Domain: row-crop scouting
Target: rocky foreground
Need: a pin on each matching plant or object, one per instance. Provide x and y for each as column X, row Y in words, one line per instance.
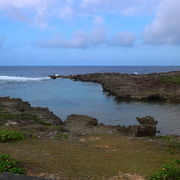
column 157, row 86
column 21, row 115
column 80, row 147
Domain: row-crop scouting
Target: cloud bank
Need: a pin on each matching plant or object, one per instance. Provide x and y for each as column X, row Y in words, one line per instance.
column 165, row 29
column 40, row 10
column 95, row 38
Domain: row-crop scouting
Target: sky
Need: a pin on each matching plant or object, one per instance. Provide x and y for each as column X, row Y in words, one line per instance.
column 90, row 32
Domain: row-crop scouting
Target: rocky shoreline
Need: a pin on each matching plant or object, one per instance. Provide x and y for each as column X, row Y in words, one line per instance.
column 16, row 113
column 67, row 150
column 141, row 87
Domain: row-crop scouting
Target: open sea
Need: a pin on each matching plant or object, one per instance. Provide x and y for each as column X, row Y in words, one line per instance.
column 64, row 96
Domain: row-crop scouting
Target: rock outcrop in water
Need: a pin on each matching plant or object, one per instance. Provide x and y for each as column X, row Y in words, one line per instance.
column 157, row 86
column 147, row 126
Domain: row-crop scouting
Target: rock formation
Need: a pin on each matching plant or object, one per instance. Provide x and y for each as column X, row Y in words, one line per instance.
column 23, row 112
column 153, row 87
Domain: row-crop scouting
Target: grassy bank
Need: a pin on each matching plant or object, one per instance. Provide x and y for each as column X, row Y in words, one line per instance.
column 91, row 157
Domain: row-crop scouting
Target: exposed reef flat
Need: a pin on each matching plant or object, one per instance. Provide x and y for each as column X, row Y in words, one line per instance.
column 156, row 86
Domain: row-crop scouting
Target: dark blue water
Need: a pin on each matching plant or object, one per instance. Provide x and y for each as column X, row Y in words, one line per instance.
column 67, row 70
column 64, row 96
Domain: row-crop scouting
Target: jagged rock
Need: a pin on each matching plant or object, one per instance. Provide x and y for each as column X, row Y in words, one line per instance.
column 147, row 120
column 18, row 107
column 147, row 126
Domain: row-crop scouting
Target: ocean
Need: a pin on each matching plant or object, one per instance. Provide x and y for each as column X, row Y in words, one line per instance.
column 65, row 97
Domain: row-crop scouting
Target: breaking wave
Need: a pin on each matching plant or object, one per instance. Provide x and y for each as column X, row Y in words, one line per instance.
column 4, row 79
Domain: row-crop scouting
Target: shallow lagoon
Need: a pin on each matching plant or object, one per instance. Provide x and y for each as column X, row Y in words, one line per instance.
column 64, row 97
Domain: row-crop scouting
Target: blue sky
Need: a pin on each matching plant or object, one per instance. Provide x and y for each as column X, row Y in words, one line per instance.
column 89, row 32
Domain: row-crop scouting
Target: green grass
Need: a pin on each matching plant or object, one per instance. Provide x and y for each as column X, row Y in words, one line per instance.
column 9, row 164
column 172, row 80
column 175, row 145
column 169, row 171
column 166, row 138
column 96, row 157
column 171, row 143
column 7, row 136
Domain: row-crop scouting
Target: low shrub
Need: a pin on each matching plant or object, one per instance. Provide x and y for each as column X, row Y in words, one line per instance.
column 172, row 80
column 9, row 164
column 7, row 136
column 168, row 172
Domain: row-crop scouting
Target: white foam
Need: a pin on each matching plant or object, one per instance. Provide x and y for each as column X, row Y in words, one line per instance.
column 135, row 73
column 21, row 79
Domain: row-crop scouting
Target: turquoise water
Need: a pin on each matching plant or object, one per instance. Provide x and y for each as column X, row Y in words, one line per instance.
column 64, row 97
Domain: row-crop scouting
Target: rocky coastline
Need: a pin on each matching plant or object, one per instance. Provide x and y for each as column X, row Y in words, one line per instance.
column 140, row 87
column 58, row 144
column 21, row 115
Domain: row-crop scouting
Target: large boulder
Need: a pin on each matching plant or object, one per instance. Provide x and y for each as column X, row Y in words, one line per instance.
column 81, row 120
column 80, row 123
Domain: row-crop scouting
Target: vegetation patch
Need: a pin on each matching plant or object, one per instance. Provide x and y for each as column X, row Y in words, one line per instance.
column 168, row 172
column 7, row 136
column 171, row 142
column 9, row 164
column 23, row 116
column 166, row 138
column 175, row 145
column 61, row 136
column 173, row 80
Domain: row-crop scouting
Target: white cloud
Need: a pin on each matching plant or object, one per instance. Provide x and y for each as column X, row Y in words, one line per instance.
column 124, row 7
column 40, row 10
column 99, row 22
column 96, row 37
column 79, row 40
column 165, row 29
column 126, row 39
column 34, row 12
